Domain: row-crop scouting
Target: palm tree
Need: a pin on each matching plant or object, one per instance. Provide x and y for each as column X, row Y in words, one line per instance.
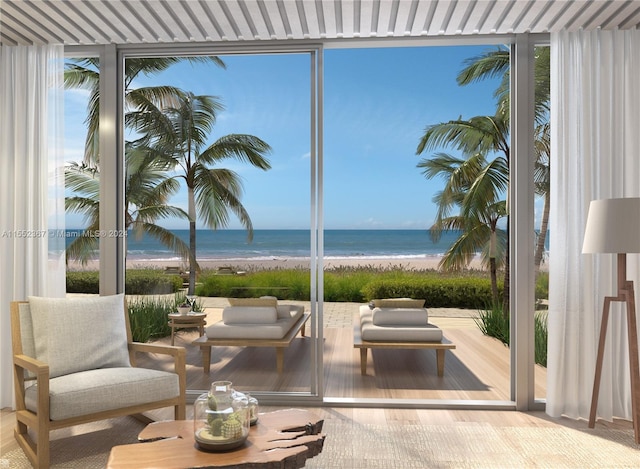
column 178, row 136
column 473, row 186
column 147, row 192
column 471, row 136
column 476, row 137
column 84, row 74
column 495, row 63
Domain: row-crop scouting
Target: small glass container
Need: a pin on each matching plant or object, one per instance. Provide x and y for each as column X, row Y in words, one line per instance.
column 253, row 408
column 221, row 418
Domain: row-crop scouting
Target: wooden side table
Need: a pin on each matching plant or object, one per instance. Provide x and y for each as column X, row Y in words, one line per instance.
column 183, row 321
column 281, row 439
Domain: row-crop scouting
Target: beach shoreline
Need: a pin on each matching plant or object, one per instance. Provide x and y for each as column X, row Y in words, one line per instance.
column 253, row 265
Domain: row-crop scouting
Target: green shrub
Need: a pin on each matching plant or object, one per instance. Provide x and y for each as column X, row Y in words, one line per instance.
column 437, row 291
column 293, row 284
column 137, row 282
column 491, row 322
column 151, row 282
column 148, row 315
column 542, row 287
column 541, row 334
column 83, row 281
column 356, row 284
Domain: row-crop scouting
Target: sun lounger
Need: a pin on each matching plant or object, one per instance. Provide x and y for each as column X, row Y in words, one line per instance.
column 397, row 328
column 254, row 326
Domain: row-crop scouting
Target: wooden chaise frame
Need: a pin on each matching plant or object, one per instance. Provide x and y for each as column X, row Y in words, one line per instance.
column 205, row 343
column 363, row 345
column 38, row 451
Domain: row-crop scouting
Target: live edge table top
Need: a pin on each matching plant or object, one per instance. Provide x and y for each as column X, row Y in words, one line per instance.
column 283, row 439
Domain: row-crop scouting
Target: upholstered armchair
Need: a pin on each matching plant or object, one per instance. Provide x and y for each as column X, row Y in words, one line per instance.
column 74, row 362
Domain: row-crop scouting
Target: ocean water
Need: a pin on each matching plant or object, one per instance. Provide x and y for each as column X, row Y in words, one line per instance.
column 277, row 244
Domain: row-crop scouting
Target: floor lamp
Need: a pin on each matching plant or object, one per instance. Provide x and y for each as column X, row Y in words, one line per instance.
column 613, row 226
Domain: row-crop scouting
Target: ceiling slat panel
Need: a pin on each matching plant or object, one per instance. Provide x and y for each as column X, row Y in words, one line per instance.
column 280, row 22
column 440, row 19
column 118, row 17
column 290, row 9
column 492, row 16
column 459, row 18
column 422, row 20
column 233, row 14
column 260, row 19
column 25, row 30
column 329, row 15
column 176, row 17
column 544, row 13
column 311, row 14
column 384, row 14
column 213, row 31
column 228, row 33
column 348, row 11
column 140, row 21
column 28, row 13
column 366, row 17
column 404, row 18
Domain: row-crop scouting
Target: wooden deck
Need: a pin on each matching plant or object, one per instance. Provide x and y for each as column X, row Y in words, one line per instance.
column 478, row 369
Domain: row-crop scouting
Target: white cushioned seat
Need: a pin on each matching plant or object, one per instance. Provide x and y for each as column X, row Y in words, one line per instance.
column 249, row 315
column 287, row 317
column 92, row 391
column 396, row 333
column 400, row 316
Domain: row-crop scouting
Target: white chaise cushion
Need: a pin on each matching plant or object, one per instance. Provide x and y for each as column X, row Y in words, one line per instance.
column 98, row 338
column 370, row 331
column 271, row 301
column 92, row 391
column 398, row 303
column 275, row 330
column 400, row 316
column 287, row 311
column 249, row 315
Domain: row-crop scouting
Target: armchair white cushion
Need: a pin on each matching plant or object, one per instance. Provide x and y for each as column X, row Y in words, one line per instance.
column 79, row 334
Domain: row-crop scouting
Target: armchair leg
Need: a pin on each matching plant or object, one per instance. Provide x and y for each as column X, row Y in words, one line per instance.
column 37, row 452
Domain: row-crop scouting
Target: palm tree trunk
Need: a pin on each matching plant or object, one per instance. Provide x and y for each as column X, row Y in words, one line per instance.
column 506, row 290
column 494, row 280
column 192, row 242
column 542, row 237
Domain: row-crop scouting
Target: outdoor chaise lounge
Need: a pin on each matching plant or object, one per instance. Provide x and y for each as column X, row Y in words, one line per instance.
column 254, row 322
column 400, row 323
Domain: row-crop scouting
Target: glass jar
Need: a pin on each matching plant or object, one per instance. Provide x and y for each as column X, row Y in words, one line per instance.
column 221, row 418
column 253, row 408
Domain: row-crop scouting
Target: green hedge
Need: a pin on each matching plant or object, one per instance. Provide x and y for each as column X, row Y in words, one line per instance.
column 358, row 285
column 137, row 282
column 437, row 292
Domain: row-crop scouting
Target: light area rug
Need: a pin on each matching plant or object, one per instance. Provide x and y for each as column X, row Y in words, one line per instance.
column 352, row 445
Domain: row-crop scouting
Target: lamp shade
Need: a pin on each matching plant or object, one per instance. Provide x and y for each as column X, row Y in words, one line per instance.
column 613, row 225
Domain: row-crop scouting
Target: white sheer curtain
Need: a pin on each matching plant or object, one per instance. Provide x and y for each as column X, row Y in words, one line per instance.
column 31, row 184
column 595, row 119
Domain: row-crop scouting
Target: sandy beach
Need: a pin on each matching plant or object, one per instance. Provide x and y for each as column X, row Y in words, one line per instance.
column 251, row 265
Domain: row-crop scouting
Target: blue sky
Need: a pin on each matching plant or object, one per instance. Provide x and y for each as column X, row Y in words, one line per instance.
column 377, row 103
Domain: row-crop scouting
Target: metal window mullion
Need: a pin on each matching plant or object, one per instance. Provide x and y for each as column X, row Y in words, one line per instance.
column 112, row 247
column 521, row 227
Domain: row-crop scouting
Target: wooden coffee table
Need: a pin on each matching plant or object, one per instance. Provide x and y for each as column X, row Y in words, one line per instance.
column 282, row 439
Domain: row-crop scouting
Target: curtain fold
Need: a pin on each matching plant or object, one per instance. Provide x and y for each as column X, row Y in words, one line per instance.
column 31, row 184
column 595, row 119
